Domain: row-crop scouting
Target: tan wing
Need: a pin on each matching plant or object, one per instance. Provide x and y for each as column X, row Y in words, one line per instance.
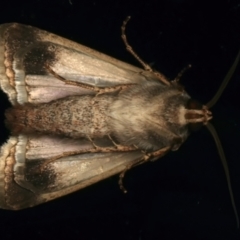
column 24, row 54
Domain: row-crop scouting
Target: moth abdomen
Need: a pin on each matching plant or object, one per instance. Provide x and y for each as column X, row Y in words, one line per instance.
column 15, row 119
column 73, row 117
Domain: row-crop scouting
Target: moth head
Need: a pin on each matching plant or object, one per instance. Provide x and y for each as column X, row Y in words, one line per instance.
column 197, row 115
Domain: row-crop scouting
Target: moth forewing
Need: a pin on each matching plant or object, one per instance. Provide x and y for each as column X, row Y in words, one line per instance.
column 25, row 51
column 24, row 185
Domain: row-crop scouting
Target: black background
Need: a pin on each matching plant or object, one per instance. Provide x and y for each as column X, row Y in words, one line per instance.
column 183, row 195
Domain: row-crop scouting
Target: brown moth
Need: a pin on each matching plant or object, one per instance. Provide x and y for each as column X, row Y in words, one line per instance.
column 79, row 116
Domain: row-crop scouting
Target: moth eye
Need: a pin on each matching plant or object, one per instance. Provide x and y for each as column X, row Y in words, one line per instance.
column 195, row 105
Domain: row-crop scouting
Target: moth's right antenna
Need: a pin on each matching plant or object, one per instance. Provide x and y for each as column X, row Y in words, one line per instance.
column 216, row 138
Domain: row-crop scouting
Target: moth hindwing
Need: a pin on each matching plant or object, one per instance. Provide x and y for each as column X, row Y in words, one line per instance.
column 79, row 116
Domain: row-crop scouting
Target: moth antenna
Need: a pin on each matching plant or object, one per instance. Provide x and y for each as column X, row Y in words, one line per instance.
column 212, row 102
column 213, row 132
column 195, row 115
column 225, row 167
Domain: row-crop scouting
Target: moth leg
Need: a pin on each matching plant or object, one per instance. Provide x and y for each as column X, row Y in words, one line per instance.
column 147, row 156
column 159, row 153
column 99, row 90
column 146, row 66
column 177, row 78
column 122, row 174
column 119, row 146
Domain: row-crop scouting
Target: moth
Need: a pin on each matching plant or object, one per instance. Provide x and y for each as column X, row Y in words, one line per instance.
column 79, row 116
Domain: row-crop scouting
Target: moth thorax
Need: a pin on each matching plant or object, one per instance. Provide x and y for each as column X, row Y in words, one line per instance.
column 197, row 114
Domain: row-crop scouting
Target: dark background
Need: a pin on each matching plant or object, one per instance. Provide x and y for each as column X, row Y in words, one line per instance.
column 183, row 195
